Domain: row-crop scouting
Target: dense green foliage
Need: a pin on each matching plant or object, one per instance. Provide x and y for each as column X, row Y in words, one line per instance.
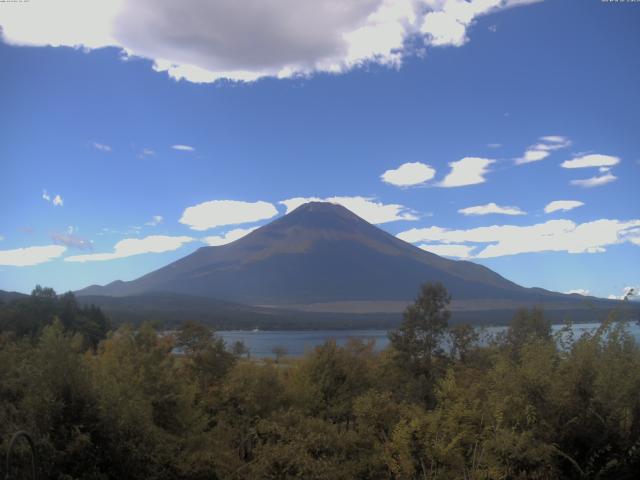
column 524, row 405
column 26, row 317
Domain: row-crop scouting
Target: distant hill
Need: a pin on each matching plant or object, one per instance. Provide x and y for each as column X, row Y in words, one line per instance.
column 8, row 296
column 322, row 258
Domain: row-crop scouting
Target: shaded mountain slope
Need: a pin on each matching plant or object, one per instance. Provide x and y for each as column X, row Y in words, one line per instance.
column 321, row 253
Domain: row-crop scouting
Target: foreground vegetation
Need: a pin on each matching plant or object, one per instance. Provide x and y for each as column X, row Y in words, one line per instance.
column 121, row 404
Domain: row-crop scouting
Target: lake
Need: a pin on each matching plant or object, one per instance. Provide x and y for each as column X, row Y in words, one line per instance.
column 297, row 342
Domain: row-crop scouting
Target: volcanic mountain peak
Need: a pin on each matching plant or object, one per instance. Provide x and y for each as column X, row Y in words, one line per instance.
column 324, row 214
column 320, row 252
column 319, row 217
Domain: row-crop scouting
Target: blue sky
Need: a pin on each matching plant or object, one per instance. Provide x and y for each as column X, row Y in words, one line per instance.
column 99, row 146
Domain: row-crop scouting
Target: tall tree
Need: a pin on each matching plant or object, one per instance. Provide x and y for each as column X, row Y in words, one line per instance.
column 417, row 344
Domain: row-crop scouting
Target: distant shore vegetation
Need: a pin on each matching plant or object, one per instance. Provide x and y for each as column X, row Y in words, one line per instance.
column 104, row 403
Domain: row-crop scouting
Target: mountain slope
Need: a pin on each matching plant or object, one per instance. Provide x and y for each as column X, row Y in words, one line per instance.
column 9, row 296
column 320, row 253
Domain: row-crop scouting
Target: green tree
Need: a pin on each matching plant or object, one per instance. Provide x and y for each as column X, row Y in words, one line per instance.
column 417, row 344
column 27, row 317
column 463, row 338
column 527, row 326
column 239, row 349
column 327, row 381
column 206, row 356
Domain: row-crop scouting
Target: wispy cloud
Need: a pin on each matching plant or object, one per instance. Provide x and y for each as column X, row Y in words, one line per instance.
column 101, row 146
column 562, row 205
column 57, row 200
column 28, row 256
column 135, row 246
column 593, row 160
column 183, row 148
column 409, row 174
column 155, row 221
column 228, row 237
column 543, row 148
column 554, row 235
column 491, row 208
column 579, row 291
column 146, row 152
column 595, row 181
column 365, row 207
column 468, row 171
column 218, row 213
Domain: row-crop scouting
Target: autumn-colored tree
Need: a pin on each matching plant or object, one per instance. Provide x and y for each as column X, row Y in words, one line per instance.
column 145, row 404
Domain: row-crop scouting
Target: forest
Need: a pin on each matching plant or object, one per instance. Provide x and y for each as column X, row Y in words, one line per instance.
column 131, row 402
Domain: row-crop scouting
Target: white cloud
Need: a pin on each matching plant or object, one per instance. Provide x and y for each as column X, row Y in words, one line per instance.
column 228, row 237
column 135, row 246
column 595, row 181
column 593, row 160
column 634, row 236
column 57, row 200
column 557, row 139
column 183, row 148
column 23, row 257
column 90, row 26
column 247, row 39
column 449, row 250
column 494, row 145
column 579, row 291
column 543, row 149
column 532, row 156
column 468, row 171
column 409, row 174
column 101, row 146
column 146, row 152
column 155, row 221
column 217, row 213
column 491, row 208
column 631, row 293
column 370, row 210
column 554, row 235
column 447, row 22
column 562, row 205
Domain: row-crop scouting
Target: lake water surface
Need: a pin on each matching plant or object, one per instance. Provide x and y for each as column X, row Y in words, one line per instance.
column 297, row 342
